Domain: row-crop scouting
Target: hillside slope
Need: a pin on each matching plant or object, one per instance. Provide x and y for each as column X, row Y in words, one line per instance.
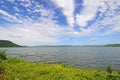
column 5, row 43
column 112, row 45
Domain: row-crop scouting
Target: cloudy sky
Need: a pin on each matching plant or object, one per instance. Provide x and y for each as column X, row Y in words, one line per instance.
column 60, row 22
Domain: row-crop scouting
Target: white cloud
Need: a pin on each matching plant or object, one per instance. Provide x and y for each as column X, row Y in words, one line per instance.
column 27, row 33
column 16, row 9
column 110, row 23
column 115, row 25
column 26, row 3
column 12, row 1
column 67, row 8
column 83, row 19
column 4, row 13
column 83, row 32
column 108, row 12
column 45, row 29
column 9, row 17
column 90, row 9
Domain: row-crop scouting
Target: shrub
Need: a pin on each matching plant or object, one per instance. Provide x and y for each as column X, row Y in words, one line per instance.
column 110, row 70
column 14, row 60
column 2, row 69
column 3, row 55
column 63, row 65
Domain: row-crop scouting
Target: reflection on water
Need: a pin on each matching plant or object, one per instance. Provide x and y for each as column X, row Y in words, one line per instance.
column 83, row 57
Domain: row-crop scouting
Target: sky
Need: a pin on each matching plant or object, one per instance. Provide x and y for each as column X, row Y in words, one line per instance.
column 60, row 22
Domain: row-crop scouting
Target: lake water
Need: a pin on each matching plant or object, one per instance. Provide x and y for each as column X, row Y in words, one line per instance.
column 82, row 57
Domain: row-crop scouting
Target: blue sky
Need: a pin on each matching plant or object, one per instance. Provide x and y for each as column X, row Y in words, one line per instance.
column 60, row 22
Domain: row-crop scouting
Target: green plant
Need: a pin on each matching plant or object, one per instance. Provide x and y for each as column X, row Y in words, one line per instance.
column 110, row 70
column 63, row 64
column 14, row 60
column 2, row 69
column 3, row 55
column 17, row 69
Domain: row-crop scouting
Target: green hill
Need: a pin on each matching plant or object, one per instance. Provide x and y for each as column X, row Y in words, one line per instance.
column 112, row 45
column 5, row 43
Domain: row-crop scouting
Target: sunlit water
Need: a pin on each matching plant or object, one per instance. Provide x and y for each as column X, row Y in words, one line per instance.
column 82, row 57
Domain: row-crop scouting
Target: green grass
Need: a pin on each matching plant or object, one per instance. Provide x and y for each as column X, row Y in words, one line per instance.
column 17, row 69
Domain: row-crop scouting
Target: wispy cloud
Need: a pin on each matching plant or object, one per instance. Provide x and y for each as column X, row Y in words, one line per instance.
column 31, row 32
column 32, row 22
column 105, row 15
column 67, row 8
column 9, row 17
column 42, row 30
column 11, row 1
column 90, row 10
column 110, row 22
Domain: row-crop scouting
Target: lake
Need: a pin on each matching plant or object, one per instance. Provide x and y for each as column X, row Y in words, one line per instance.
column 80, row 57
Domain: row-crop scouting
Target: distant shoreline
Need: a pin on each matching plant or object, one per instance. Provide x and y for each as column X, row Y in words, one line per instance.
column 6, row 43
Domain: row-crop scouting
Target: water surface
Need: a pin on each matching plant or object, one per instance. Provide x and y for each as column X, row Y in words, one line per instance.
column 82, row 57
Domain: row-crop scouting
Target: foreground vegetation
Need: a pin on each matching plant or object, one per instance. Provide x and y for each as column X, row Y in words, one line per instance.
column 17, row 69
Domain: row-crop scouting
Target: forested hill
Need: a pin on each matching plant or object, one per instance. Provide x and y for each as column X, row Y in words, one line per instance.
column 5, row 43
column 112, row 45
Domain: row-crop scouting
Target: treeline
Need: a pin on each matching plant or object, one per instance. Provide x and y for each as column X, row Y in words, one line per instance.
column 112, row 45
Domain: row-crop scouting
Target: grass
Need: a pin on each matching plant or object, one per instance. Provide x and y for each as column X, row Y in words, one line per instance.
column 17, row 69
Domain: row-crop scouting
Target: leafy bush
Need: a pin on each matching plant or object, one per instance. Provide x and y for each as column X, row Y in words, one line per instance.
column 3, row 55
column 110, row 70
column 14, row 60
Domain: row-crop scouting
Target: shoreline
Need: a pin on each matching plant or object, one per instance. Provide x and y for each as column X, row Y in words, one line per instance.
column 18, row 69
